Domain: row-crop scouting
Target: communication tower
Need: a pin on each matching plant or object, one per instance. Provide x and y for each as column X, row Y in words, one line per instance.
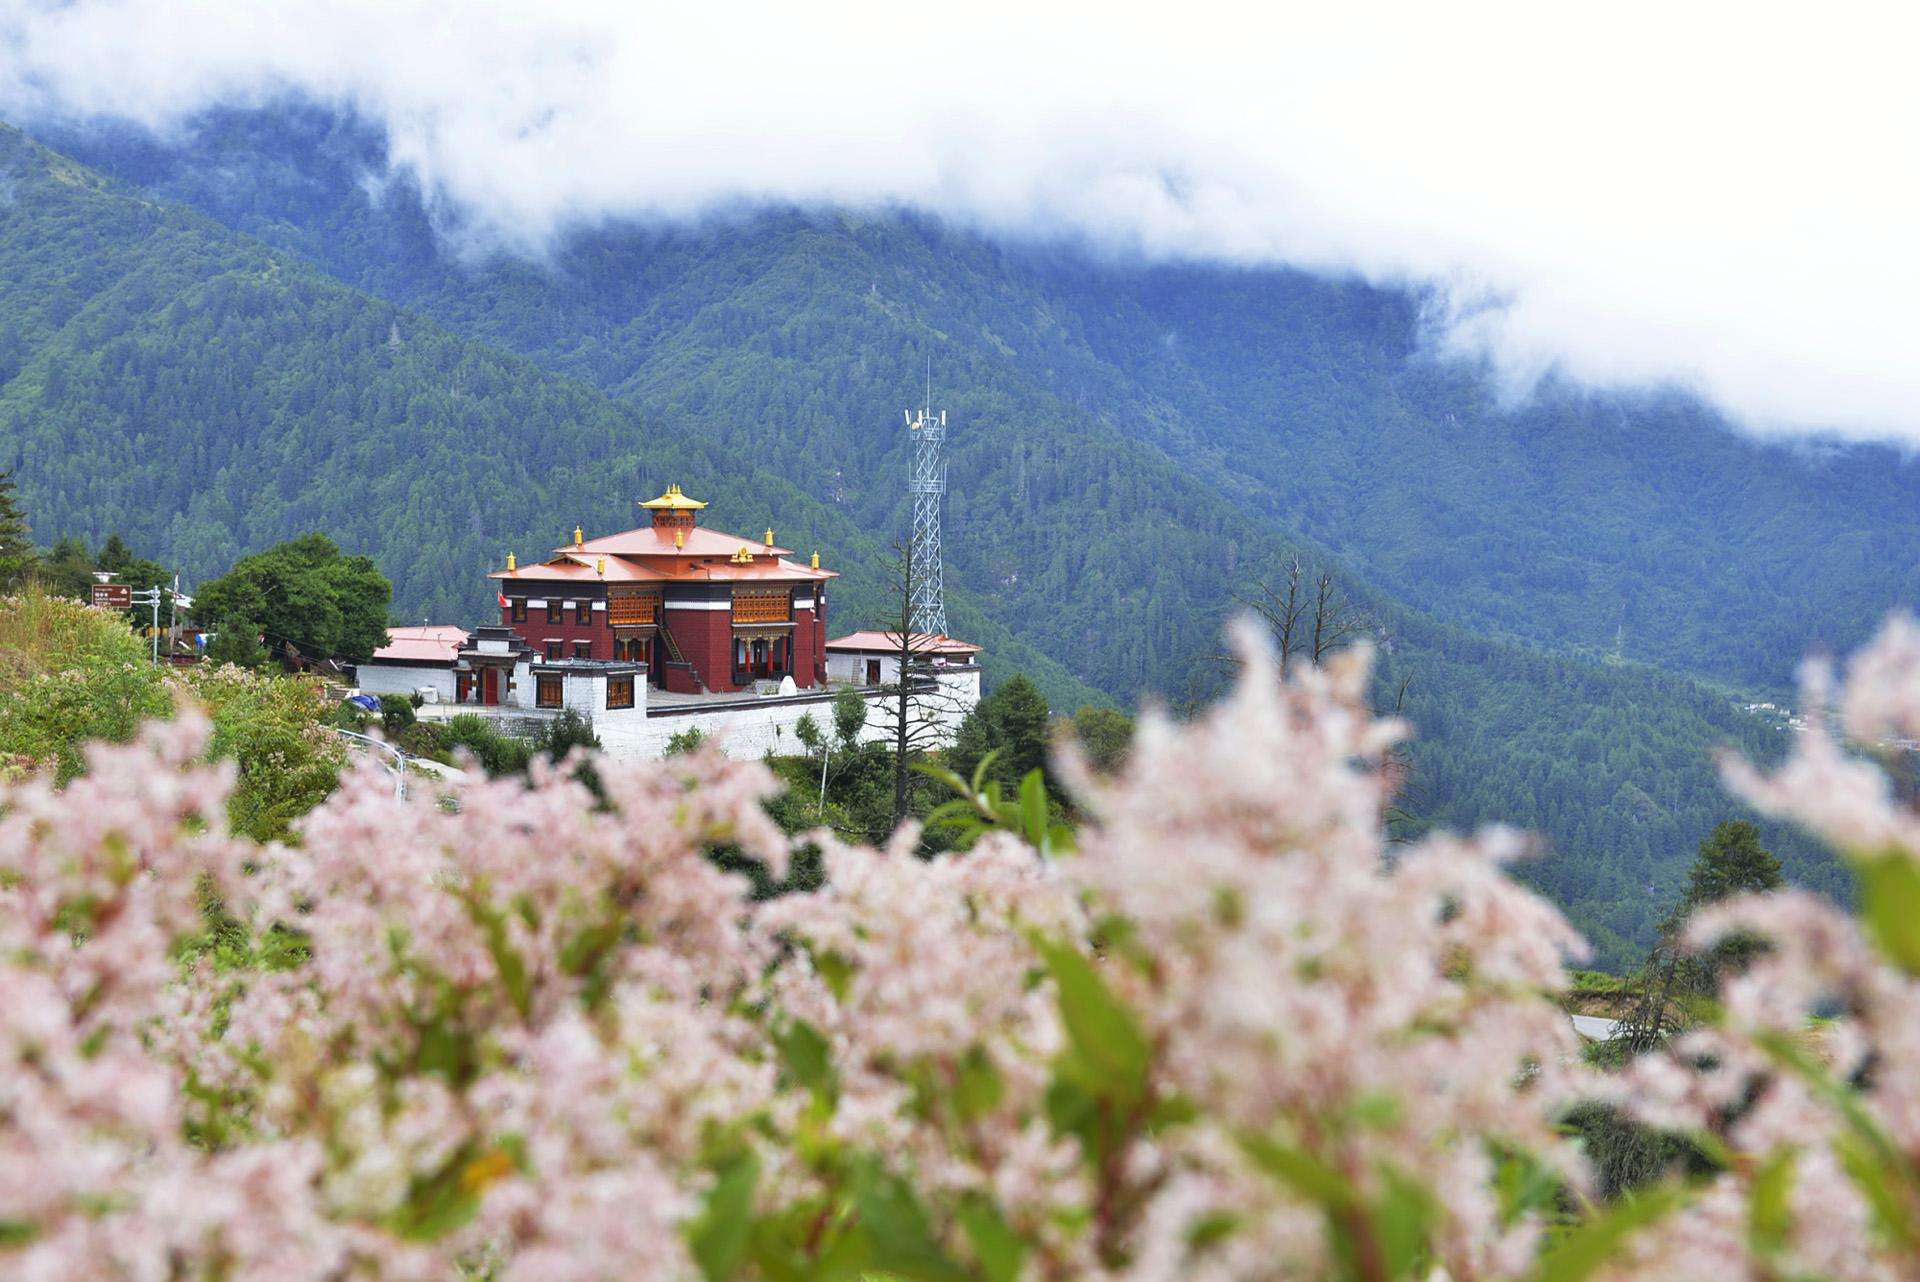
column 927, row 482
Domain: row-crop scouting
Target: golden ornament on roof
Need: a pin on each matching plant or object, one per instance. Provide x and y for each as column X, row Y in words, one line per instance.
column 769, row 536
column 679, row 538
column 673, row 501
column 816, row 560
column 579, row 536
column 510, row 561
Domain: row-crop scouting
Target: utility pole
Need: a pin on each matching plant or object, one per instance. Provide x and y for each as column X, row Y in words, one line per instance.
column 150, row 597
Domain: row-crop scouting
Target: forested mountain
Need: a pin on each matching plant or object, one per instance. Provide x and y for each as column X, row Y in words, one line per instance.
column 1130, row 447
column 163, row 378
column 1636, row 526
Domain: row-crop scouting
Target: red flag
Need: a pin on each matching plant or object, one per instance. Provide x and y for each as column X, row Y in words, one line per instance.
column 503, row 600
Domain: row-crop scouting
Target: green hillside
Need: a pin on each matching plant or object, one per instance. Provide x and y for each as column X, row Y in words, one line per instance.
column 206, row 394
column 189, row 388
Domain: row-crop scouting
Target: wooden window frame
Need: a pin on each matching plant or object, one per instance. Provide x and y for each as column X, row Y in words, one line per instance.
column 556, row 611
column 556, row 650
column 583, row 612
column 619, row 692
column 583, row 649
column 517, row 609
column 544, row 682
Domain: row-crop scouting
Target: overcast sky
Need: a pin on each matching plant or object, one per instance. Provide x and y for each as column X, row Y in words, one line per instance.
column 1726, row 196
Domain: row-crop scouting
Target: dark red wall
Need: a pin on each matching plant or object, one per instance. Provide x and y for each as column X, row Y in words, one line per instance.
column 536, row 631
column 706, row 641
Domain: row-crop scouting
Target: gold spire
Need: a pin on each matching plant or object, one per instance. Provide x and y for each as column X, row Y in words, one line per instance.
column 579, row 536
column 816, row 560
column 673, row 501
column 769, row 536
column 510, row 560
column 600, row 566
column 679, row 538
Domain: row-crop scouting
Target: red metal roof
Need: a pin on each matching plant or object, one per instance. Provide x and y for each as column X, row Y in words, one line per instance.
column 889, row 643
column 435, row 644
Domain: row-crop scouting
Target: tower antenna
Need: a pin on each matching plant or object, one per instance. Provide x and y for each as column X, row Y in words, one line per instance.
column 927, row 483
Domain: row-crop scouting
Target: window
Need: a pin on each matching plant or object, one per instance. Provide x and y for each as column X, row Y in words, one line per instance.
column 583, row 649
column 583, row 612
column 546, row 692
column 518, row 606
column 619, row 692
column 556, row 611
column 556, row 649
column 762, row 605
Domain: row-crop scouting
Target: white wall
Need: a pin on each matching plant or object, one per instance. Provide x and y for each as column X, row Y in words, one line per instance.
column 391, row 678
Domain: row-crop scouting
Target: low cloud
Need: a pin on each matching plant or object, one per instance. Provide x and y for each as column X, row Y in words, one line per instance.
column 1696, row 194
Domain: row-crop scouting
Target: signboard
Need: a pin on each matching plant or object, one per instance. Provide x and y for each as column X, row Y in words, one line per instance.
column 113, row 596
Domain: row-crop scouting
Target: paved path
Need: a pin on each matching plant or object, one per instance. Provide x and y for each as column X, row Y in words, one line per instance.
column 1594, row 1028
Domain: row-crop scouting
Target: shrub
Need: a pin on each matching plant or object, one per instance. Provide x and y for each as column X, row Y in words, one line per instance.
column 530, row 1036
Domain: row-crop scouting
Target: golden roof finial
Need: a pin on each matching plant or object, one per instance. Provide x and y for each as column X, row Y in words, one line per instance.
column 510, row 561
column 680, row 538
column 769, row 536
column 579, row 536
column 600, row 566
column 673, row 501
column 815, row 560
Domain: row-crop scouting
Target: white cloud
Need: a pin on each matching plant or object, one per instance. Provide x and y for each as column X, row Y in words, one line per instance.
column 1726, row 196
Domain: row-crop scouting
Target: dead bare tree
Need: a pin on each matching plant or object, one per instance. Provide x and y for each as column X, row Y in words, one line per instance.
column 919, row 713
column 1306, row 613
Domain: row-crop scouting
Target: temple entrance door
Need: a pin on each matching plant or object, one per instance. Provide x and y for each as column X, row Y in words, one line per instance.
column 490, row 685
column 463, row 687
column 873, row 672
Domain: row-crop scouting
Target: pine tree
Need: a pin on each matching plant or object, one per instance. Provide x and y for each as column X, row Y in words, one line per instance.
column 16, row 547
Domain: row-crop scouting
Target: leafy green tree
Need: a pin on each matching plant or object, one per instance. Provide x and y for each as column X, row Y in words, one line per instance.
column 272, row 728
column 237, row 641
column 849, row 715
column 305, row 592
column 1104, row 734
column 1013, row 721
column 67, row 569
column 1731, row 861
column 16, row 549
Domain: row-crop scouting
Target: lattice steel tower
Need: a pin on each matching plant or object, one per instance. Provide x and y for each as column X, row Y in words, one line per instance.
column 927, row 482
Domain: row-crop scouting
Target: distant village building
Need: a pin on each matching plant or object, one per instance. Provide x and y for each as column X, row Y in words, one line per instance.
column 658, row 630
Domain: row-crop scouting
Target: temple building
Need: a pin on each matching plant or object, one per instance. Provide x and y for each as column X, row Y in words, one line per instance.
column 706, row 612
column 662, row 629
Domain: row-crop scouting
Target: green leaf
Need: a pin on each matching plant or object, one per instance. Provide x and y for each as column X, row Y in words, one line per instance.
column 978, row 1086
column 438, row 1204
column 835, row 971
column 718, row 1237
column 893, row 1221
column 1302, row 1172
column 506, row 959
column 996, row 1246
column 1580, row 1253
column 1769, row 1217
column 1403, row 1217
column 1890, row 902
column 1033, row 809
column 806, row 1055
column 1108, row 1046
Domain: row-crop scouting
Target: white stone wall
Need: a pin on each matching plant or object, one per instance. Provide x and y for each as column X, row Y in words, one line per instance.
column 391, row 678
column 755, row 730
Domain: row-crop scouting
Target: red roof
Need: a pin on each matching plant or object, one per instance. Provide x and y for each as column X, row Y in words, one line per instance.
column 889, row 643
column 435, row 644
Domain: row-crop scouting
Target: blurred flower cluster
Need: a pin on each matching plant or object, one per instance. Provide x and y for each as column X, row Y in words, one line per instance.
column 525, row 1030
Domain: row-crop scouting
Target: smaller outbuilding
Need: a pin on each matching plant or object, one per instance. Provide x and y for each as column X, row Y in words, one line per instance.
column 872, row 658
column 414, row 661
